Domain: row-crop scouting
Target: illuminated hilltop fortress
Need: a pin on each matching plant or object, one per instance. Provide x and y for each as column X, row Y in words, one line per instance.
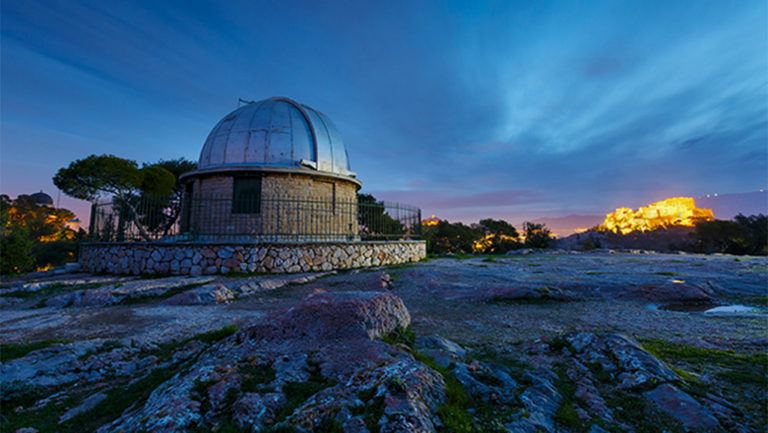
column 677, row 211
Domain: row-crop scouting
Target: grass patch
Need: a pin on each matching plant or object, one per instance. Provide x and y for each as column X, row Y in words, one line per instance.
column 371, row 410
column 539, row 295
column 297, row 393
column 741, row 378
column 566, row 414
column 761, row 301
column 119, row 399
column 401, row 266
column 165, row 351
column 46, row 419
column 521, row 300
column 400, row 336
column 641, row 414
column 733, row 367
column 18, row 393
column 454, row 412
column 457, row 256
column 216, row 334
column 173, row 291
column 517, row 368
column 691, row 383
column 107, row 346
column 49, row 290
column 599, row 373
column 12, row 351
column 559, row 343
column 667, row 273
column 462, row 256
column 200, row 393
column 255, row 377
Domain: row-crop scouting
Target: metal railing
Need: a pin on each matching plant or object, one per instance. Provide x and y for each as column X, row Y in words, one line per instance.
column 250, row 219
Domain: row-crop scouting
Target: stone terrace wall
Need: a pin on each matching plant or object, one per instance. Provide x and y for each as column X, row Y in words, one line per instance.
column 209, row 258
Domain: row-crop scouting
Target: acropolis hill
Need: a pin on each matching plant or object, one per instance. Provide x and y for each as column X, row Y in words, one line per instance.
column 677, row 211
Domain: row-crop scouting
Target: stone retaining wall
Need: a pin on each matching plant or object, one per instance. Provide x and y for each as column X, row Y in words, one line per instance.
column 214, row 258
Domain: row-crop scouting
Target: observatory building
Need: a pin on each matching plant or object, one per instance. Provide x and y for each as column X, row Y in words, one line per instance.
column 285, row 169
column 273, row 191
column 42, row 199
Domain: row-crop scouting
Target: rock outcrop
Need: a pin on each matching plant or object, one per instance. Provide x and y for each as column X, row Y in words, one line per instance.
column 318, row 363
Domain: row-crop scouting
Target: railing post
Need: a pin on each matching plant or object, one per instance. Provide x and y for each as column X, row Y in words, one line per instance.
column 92, row 223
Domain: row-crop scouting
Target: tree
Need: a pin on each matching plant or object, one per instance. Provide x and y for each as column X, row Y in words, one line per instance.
column 163, row 212
column 373, row 219
column 42, row 223
column 16, row 251
column 758, row 228
column 33, row 236
column 91, row 177
column 448, row 237
column 720, row 236
column 536, row 235
column 499, row 236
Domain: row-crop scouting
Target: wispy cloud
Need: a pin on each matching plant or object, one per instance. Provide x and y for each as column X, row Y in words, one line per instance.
column 468, row 109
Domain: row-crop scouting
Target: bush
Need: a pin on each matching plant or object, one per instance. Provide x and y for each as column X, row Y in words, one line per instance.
column 450, row 238
column 536, row 235
column 55, row 253
column 758, row 232
column 722, row 237
column 16, row 252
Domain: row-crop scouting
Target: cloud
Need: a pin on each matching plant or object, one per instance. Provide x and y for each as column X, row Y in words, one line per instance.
column 466, row 109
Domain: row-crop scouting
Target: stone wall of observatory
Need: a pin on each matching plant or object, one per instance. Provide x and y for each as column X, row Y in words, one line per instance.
column 139, row 258
column 291, row 204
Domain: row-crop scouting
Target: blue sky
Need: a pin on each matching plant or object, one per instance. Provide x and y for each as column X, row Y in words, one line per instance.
column 502, row 109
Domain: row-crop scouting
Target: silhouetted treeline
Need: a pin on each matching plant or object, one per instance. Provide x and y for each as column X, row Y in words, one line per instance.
column 743, row 235
column 489, row 236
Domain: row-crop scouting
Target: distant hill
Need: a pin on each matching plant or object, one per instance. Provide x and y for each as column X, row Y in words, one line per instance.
column 727, row 206
column 662, row 240
column 567, row 225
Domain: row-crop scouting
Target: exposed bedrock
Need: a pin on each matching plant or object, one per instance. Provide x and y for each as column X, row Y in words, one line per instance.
column 318, row 363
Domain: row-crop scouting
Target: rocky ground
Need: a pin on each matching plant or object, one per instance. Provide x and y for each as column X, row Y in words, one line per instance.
column 554, row 342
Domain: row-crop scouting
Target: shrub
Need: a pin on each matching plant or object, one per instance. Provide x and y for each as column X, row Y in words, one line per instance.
column 536, row 235
column 16, row 252
column 55, row 253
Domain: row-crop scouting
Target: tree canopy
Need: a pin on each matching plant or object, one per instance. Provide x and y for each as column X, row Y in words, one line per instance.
column 536, row 235
column 374, row 222
column 34, row 236
column 148, row 196
column 743, row 235
column 94, row 176
column 498, row 237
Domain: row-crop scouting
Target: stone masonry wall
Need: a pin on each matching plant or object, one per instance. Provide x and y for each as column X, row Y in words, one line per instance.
column 208, row 258
column 291, row 205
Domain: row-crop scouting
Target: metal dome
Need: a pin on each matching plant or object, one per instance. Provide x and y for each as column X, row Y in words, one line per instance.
column 42, row 198
column 275, row 132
